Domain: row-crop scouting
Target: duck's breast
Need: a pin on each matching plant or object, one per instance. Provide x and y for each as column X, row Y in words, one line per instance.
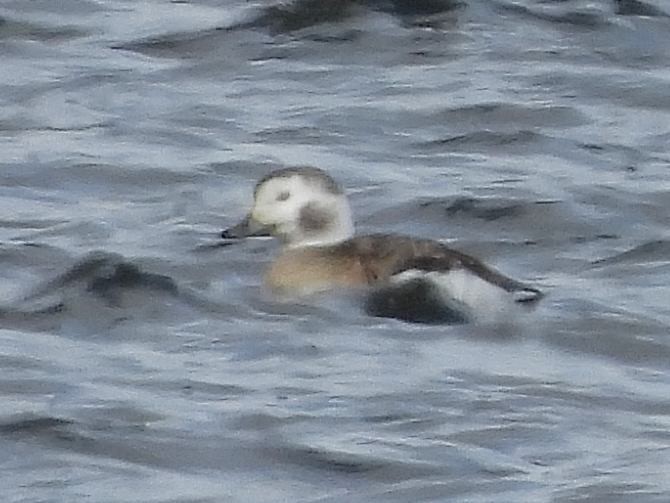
column 301, row 272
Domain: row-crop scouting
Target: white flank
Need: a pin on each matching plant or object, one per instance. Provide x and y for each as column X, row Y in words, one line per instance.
column 461, row 289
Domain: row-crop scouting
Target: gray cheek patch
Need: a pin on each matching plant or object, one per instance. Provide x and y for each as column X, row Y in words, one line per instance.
column 314, row 219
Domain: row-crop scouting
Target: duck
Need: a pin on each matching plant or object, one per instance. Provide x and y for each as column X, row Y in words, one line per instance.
column 409, row 278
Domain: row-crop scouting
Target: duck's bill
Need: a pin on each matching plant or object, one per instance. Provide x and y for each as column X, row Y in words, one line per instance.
column 247, row 228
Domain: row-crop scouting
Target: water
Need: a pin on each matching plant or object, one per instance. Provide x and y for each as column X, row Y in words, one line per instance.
column 142, row 362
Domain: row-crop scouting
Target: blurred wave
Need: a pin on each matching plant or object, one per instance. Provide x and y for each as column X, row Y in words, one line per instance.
column 532, row 134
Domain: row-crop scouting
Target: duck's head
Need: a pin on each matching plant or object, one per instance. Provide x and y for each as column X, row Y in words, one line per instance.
column 302, row 206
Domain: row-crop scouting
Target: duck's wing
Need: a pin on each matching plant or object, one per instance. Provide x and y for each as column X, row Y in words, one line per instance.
column 442, row 259
column 427, row 278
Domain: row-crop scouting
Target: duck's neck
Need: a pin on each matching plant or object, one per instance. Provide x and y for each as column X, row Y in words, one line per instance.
column 330, row 238
column 319, row 223
column 338, row 229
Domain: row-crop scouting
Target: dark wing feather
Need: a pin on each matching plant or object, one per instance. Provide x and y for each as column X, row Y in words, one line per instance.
column 384, row 255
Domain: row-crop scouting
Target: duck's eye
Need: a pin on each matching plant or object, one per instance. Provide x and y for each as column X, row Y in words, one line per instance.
column 283, row 196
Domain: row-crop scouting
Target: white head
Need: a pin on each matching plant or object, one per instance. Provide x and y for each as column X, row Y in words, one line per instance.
column 302, row 206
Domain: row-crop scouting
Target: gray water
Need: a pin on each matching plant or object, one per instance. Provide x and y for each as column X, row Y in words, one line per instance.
column 140, row 360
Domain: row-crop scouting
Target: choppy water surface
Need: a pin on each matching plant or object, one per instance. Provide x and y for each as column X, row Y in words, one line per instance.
column 141, row 362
